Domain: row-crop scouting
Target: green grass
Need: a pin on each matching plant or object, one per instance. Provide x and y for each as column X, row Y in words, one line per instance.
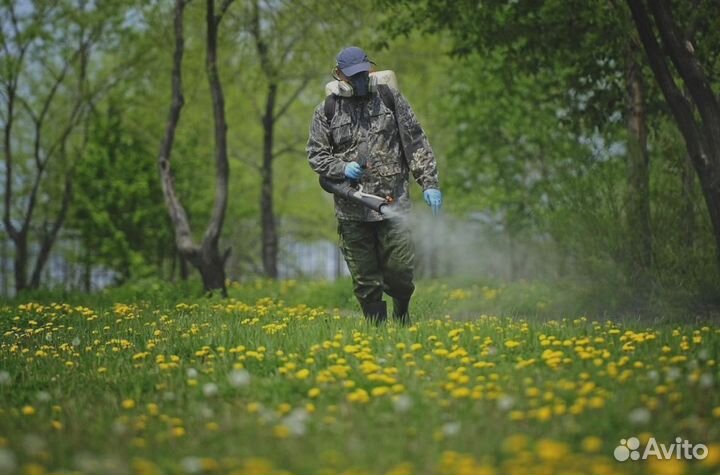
column 287, row 378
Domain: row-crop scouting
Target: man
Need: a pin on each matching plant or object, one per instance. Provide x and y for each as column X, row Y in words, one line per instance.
column 382, row 131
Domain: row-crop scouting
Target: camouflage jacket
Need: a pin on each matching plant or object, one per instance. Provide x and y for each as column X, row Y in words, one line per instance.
column 393, row 152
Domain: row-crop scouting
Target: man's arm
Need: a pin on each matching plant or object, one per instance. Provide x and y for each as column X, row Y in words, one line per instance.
column 418, row 153
column 319, row 150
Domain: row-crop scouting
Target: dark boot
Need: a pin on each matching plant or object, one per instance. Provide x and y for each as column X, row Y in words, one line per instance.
column 401, row 311
column 375, row 312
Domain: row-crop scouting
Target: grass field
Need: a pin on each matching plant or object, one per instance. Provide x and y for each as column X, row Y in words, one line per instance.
column 286, row 378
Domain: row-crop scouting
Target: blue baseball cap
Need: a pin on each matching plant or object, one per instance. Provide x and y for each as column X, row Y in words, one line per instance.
column 353, row 60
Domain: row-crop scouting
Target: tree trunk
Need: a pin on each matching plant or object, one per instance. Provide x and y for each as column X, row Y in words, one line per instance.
column 267, row 212
column 206, row 257
column 688, row 206
column 87, row 270
column 20, row 262
column 212, row 269
column 637, row 200
column 702, row 137
column 184, row 274
column 48, row 239
column 210, row 253
column 3, row 268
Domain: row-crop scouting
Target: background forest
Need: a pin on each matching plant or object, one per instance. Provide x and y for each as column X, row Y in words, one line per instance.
column 578, row 142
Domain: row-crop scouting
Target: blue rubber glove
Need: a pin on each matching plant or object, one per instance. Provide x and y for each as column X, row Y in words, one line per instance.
column 353, row 170
column 433, row 198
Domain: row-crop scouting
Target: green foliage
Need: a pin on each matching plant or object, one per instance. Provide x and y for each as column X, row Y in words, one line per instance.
column 538, row 107
column 119, row 210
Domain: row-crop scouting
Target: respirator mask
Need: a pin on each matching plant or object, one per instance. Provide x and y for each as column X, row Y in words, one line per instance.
column 360, row 83
column 357, row 85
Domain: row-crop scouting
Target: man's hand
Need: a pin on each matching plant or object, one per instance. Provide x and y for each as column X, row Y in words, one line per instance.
column 354, row 171
column 433, row 198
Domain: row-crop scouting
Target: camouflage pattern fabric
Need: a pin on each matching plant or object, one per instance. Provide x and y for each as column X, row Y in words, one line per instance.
column 393, row 153
column 380, row 256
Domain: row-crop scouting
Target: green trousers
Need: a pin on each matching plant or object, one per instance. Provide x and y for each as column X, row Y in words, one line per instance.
column 380, row 256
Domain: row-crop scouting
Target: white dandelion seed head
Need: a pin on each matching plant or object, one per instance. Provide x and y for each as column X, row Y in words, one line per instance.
column 210, row 389
column 267, row 416
column 119, row 428
column 296, row 422
column 639, row 416
column 505, row 402
column 238, row 378
column 5, row 378
column 451, row 429
column 43, row 396
column 672, row 374
column 33, row 444
column 191, row 464
column 707, row 380
column 8, row 462
column 402, row 403
column 191, row 373
column 207, row 412
column 87, row 462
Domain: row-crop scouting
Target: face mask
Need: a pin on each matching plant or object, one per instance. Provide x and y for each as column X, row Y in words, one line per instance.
column 360, row 83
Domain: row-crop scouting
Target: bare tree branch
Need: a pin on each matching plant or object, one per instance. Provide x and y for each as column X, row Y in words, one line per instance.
column 223, row 8
column 288, row 149
column 289, row 101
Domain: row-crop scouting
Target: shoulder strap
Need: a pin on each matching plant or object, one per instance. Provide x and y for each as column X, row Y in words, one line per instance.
column 387, row 96
column 330, row 107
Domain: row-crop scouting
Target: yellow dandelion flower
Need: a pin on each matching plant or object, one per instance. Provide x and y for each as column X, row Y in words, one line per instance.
column 591, row 444
column 550, row 450
column 514, row 443
column 460, row 393
column 666, row 466
column 359, row 395
column 281, row 431
column 379, row 391
column 713, row 457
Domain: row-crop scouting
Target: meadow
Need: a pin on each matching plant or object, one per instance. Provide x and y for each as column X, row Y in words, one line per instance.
column 286, row 378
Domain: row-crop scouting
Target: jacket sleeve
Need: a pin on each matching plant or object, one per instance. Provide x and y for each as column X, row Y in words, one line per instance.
column 319, row 150
column 418, row 153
